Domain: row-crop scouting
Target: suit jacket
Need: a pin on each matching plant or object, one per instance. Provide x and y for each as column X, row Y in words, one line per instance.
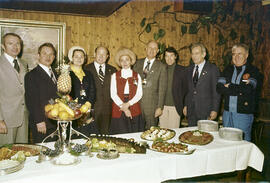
column 155, row 89
column 88, row 84
column 39, row 89
column 203, row 98
column 12, row 103
column 179, row 87
column 103, row 102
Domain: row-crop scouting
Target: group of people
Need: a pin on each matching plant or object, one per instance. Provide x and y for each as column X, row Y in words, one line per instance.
column 143, row 93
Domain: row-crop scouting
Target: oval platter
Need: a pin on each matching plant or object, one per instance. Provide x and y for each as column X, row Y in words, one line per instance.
column 156, row 133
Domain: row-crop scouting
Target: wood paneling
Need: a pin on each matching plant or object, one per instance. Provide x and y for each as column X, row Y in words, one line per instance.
column 123, row 26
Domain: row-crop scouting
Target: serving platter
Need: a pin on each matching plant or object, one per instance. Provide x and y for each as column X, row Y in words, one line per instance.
column 10, row 166
column 59, row 119
column 29, row 149
column 196, row 137
column 156, row 133
column 171, row 148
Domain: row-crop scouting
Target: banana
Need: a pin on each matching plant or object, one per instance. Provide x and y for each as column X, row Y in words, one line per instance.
column 67, row 108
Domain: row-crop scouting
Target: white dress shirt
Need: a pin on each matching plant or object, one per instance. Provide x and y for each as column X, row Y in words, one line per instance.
column 97, row 67
column 11, row 59
column 151, row 63
column 125, row 73
column 199, row 69
column 46, row 69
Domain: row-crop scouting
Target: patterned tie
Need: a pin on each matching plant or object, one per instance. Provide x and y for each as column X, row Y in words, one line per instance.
column 16, row 65
column 196, row 76
column 52, row 76
column 101, row 75
column 147, row 67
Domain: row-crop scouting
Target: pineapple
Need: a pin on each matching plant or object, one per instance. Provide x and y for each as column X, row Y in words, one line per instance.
column 64, row 80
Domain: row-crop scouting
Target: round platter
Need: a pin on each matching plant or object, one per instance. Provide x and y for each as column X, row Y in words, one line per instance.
column 188, row 152
column 155, row 133
column 196, row 137
column 107, row 157
column 6, row 168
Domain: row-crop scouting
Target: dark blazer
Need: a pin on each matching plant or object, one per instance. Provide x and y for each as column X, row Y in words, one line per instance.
column 103, row 104
column 88, row 84
column 247, row 94
column 203, row 98
column 179, row 87
column 39, row 89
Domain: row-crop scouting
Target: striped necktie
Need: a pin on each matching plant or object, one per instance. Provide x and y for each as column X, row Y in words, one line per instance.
column 101, row 75
column 52, row 76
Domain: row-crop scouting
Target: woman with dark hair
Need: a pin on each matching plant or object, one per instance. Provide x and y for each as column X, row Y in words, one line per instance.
column 83, row 86
column 173, row 105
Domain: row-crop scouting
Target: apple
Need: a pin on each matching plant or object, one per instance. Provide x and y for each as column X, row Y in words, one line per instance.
column 77, row 112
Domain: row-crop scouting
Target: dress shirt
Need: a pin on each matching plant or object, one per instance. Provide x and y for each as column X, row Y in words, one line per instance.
column 151, row 63
column 97, row 67
column 199, row 69
column 46, row 69
column 125, row 73
column 11, row 59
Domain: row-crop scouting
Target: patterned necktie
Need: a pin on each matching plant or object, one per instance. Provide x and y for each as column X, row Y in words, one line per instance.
column 16, row 65
column 101, row 75
column 52, row 76
column 147, row 67
column 196, row 76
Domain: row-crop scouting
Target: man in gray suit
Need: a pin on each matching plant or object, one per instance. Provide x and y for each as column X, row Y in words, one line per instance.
column 13, row 113
column 202, row 99
column 154, row 78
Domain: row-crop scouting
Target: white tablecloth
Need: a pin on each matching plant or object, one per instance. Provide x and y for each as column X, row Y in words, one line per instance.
column 220, row 156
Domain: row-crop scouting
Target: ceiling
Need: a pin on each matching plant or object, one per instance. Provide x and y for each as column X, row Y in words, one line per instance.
column 75, row 7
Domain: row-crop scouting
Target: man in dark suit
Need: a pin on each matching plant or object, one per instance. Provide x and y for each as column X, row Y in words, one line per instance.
column 13, row 113
column 40, row 87
column 102, row 75
column 202, row 100
column 154, row 75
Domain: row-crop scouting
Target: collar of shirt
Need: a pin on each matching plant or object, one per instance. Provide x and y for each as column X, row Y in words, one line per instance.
column 151, row 62
column 97, row 66
column 11, row 59
column 200, row 67
column 45, row 68
column 126, row 73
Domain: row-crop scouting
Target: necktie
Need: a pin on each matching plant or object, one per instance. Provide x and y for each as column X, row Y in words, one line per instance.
column 52, row 76
column 196, row 76
column 101, row 75
column 16, row 65
column 147, row 67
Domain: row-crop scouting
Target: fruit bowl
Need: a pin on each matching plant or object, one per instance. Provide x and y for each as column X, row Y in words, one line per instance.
column 61, row 119
column 66, row 109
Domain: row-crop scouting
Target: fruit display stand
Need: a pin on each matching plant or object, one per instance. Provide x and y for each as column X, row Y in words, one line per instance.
column 64, row 133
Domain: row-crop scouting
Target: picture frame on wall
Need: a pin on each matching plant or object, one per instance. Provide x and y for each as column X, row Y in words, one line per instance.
column 34, row 34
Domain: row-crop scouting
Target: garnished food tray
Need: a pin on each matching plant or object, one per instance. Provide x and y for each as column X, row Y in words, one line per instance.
column 99, row 142
column 171, row 148
column 156, row 133
column 196, row 137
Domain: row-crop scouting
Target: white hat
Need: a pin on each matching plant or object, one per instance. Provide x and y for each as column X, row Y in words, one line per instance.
column 71, row 50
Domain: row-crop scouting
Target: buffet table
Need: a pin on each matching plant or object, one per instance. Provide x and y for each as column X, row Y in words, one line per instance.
column 220, row 156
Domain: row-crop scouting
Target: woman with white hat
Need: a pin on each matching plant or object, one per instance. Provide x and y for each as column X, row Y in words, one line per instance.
column 126, row 91
column 83, row 85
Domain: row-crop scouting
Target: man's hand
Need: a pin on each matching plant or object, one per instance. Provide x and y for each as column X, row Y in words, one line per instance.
column 41, row 127
column 158, row 112
column 227, row 85
column 3, row 127
column 213, row 115
column 185, row 111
